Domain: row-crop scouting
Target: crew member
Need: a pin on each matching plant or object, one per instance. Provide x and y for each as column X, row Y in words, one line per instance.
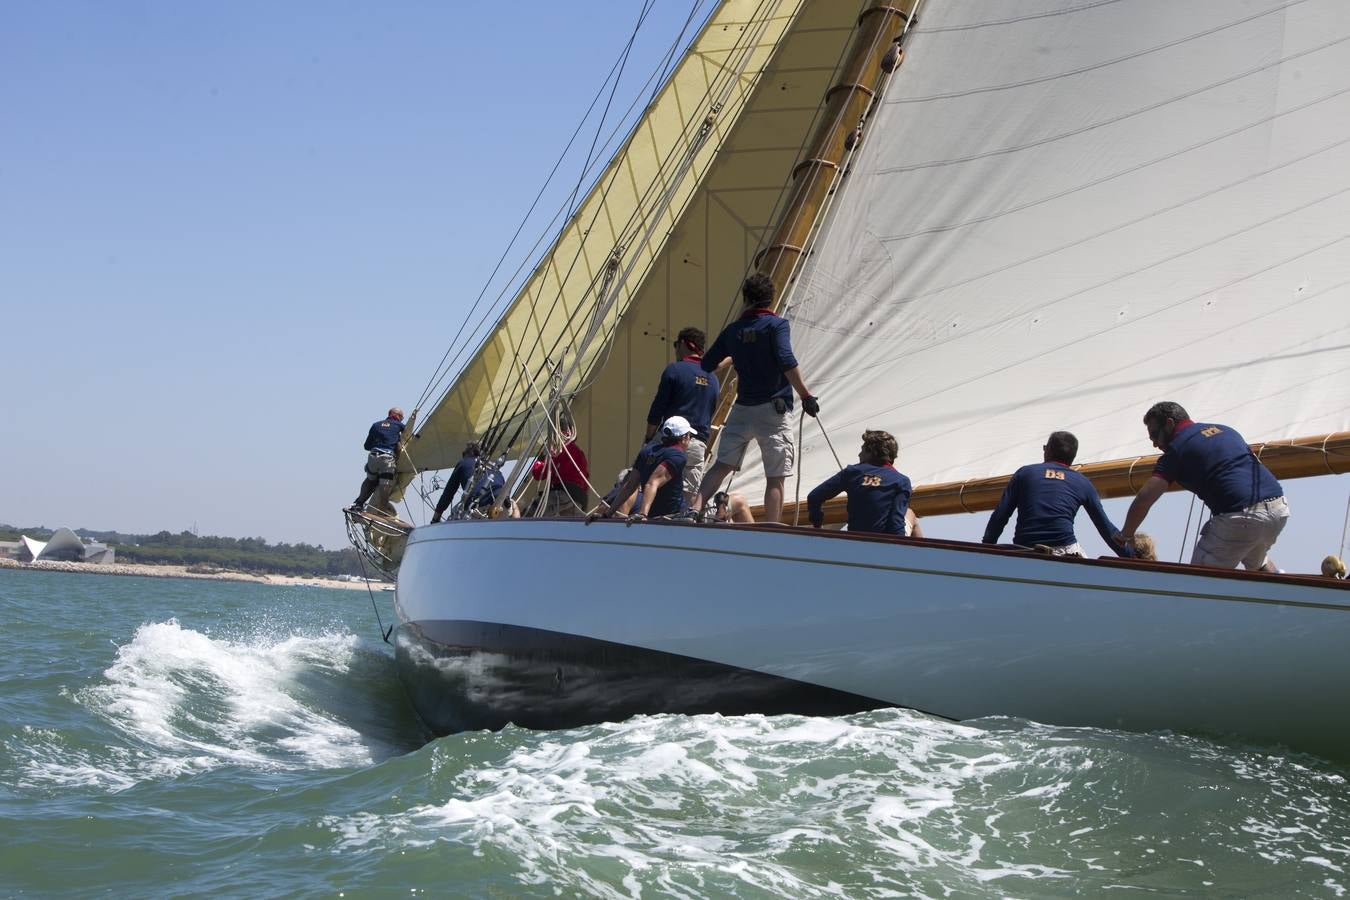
column 878, row 495
column 760, row 347
column 686, row 390
column 381, row 462
column 1047, row 497
column 732, row 507
column 659, row 472
column 480, row 496
column 567, row 472
column 1247, row 506
column 461, row 477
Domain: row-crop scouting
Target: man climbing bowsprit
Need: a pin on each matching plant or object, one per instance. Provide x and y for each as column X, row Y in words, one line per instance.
column 381, row 464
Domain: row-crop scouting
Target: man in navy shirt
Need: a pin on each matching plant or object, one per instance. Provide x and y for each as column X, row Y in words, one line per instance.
column 659, row 472
column 381, row 462
column 878, row 495
column 1047, row 497
column 686, row 390
column 461, row 477
column 1247, row 506
column 760, row 347
column 480, row 496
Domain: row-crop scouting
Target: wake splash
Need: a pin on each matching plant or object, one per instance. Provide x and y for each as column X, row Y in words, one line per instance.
column 185, row 702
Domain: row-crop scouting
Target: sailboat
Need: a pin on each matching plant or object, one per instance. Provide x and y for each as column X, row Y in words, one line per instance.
column 987, row 222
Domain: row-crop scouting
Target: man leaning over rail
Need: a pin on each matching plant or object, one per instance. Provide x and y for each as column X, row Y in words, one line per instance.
column 1047, row 497
column 760, row 347
column 1246, row 503
column 461, row 477
column 659, row 472
column 878, row 495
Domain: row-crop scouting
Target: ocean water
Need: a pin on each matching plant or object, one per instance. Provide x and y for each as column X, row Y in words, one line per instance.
column 166, row 737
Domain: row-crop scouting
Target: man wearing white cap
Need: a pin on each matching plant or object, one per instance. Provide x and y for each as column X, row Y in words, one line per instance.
column 659, row 471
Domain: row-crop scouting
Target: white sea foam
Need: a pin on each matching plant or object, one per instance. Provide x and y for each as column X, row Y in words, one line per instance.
column 190, row 702
column 891, row 803
column 698, row 805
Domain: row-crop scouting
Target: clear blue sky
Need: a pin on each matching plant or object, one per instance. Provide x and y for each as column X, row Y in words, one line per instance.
column 231, row 235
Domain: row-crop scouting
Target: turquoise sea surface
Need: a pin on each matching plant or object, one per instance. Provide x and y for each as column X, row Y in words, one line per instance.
column 171, row 737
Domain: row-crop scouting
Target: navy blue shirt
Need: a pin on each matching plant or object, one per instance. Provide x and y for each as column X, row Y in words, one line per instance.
column 669, row 498
column 384, row 435
column 686, row 390
column 877, row 498
column 459, row 478
column 1047, row 497
column 760, row 347
column 1216, row 463
column 485, row 489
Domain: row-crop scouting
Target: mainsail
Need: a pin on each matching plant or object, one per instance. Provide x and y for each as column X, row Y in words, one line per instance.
column 1066, row 211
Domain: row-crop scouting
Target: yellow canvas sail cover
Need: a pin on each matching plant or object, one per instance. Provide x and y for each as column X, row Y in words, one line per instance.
column 671, row 227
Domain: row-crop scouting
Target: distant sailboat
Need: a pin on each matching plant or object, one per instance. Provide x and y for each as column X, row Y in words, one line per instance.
column 1042, row 219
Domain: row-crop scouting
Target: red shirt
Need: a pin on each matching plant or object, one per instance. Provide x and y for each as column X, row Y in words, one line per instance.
column 568, row 465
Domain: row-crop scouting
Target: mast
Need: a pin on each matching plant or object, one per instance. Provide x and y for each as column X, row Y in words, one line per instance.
column 1324, row 454
column 847, row 104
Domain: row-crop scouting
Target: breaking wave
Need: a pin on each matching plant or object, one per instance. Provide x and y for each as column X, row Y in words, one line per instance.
column 187, row 702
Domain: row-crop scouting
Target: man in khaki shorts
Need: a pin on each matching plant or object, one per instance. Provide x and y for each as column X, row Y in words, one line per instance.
column 381, row 464
column 1246, row 502
column 686, row 390
column 760, row 347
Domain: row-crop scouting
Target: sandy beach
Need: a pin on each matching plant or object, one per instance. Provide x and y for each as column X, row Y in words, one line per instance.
column 182, row 572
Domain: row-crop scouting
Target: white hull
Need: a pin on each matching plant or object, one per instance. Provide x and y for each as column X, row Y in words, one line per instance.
column 949, row 629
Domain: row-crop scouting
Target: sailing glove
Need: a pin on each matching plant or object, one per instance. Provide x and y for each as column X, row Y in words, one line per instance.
column 811, row 406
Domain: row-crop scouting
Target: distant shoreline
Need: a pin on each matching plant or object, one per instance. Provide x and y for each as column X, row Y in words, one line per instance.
column 149, row 571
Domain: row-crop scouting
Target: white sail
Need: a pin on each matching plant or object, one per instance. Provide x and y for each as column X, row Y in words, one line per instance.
column 1064, row 211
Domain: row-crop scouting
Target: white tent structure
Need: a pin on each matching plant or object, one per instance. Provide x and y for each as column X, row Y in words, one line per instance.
column 66, row 545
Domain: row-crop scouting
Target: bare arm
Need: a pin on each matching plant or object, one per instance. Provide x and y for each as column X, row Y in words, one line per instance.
column 794, row 377
column 624, row 498
column 913, row 522
column 659, row 477
column 1148, row 495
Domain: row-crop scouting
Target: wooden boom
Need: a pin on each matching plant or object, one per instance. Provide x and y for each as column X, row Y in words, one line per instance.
column 1324, row 454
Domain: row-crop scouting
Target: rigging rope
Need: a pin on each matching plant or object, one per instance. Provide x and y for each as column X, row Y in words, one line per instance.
column 1186, row 530
column 375, row 606
column 441, row 369
column 623, row 63
column 557, row 431
column 1345, row 526
column 602, row 312
column 747, row 43
column 444, row 370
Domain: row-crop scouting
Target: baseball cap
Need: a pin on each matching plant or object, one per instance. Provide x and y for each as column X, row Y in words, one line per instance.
column 676, row 426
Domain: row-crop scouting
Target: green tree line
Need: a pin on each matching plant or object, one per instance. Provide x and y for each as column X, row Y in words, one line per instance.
column 253, row 554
